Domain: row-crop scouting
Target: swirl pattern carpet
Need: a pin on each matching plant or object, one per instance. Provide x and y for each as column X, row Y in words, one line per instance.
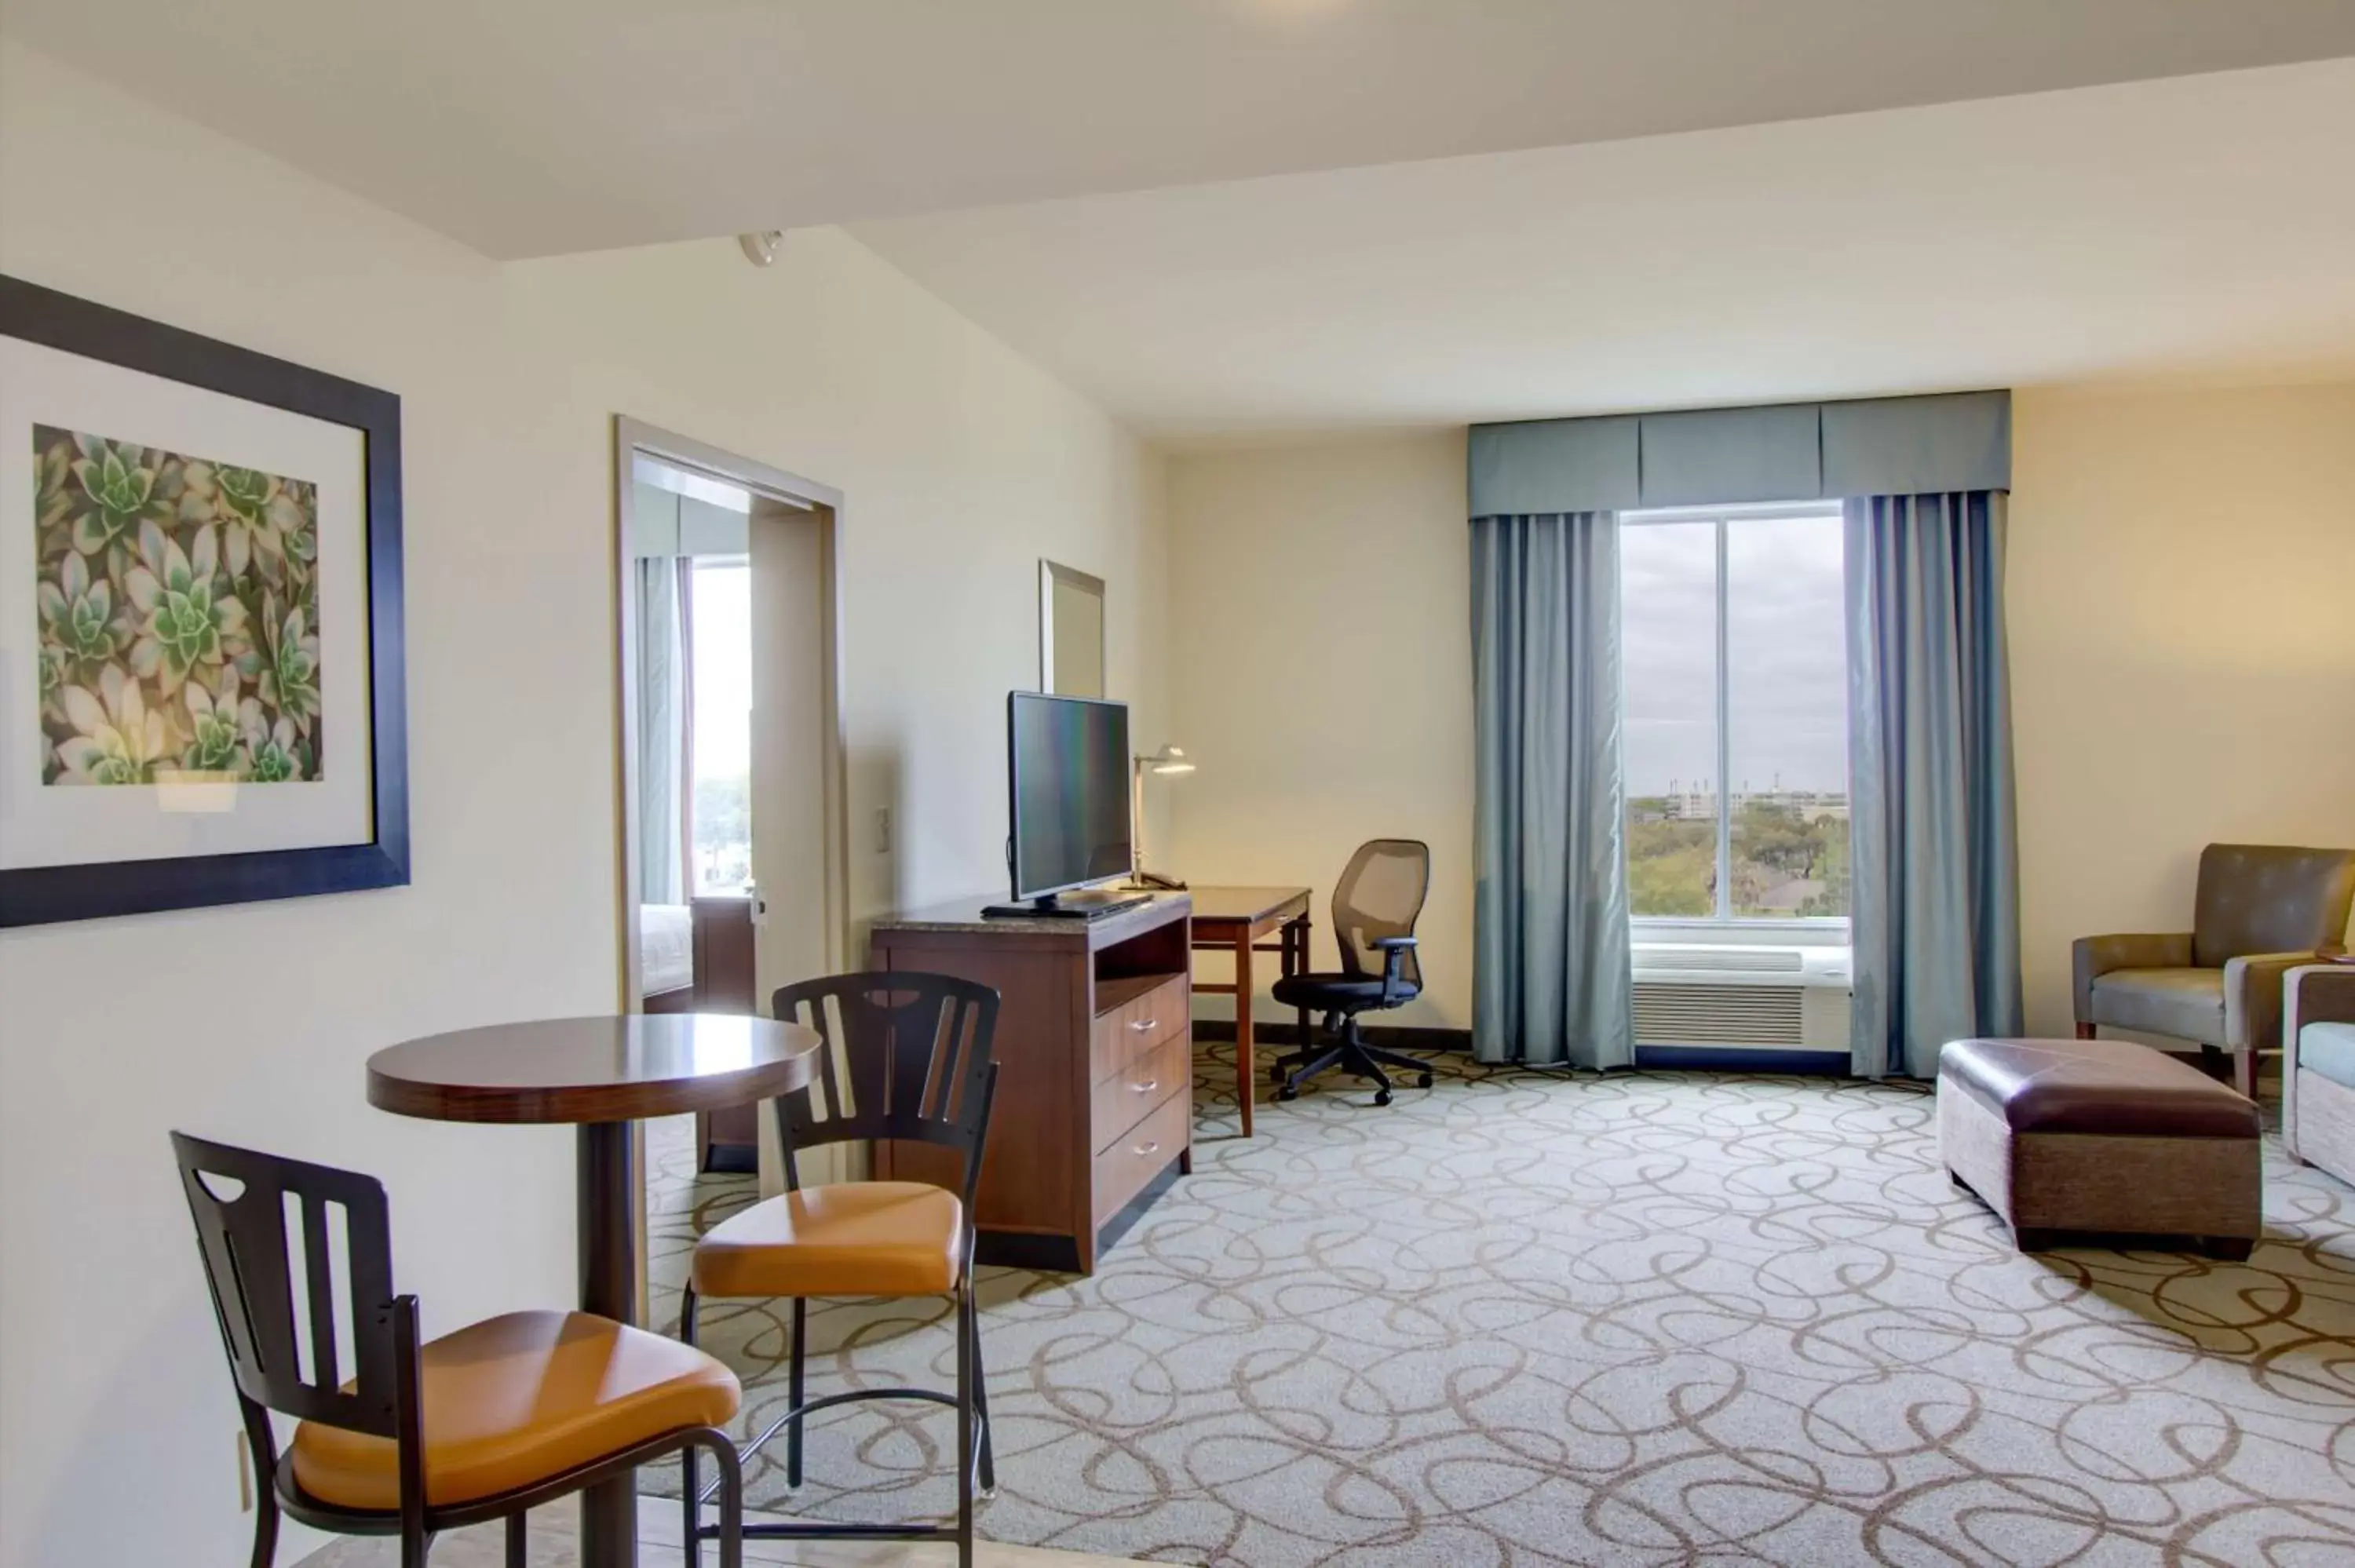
column 1523, row 1319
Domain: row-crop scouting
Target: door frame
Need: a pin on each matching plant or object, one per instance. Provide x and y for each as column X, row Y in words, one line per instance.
column 824, row 503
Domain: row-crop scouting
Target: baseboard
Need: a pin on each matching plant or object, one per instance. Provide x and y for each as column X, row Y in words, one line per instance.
column 1397, row 1036
column 1027, row 1249
column 1736, row 1059
column 1109, row 1235
column 1667, row 1058
column 732, row 1160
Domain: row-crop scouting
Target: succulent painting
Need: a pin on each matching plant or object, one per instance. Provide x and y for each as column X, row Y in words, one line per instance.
column 179, row 616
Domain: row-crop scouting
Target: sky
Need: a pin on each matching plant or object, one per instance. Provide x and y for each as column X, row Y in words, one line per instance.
column 723, row 668
column 1786, row 654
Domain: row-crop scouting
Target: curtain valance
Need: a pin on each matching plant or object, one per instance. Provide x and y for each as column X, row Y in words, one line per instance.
column 1782, row 452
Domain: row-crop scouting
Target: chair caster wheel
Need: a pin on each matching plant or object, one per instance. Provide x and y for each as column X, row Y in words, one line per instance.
column 1381, row 1097
column 1287, row 1092
column 1424, row 1082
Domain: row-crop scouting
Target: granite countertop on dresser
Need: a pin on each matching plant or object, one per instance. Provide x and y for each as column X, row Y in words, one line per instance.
column 964, row 915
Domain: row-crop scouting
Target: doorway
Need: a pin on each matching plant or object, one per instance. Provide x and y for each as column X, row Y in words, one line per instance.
column 733, row 847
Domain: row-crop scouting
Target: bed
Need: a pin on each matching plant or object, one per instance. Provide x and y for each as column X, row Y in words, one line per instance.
column 696, row 957
column 667, row 956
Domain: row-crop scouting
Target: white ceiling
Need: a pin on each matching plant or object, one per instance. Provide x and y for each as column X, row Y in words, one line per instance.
column 2204, row 225
column 527, row 127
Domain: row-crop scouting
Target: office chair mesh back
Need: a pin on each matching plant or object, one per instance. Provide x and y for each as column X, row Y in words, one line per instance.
column 1380, row 894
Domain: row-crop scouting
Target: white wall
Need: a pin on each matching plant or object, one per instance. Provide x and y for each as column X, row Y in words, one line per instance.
column 2182, row 597
column 2182, row 602
column 960, row 464
column 1320, row 615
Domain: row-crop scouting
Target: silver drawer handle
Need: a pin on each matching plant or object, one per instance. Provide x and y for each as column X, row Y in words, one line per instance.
column 1153, row 1148
column 1148, row 1087
column 1142, row 1024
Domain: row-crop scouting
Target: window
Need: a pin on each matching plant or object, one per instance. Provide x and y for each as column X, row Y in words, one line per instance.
column 1736, row 664
column 720, row 619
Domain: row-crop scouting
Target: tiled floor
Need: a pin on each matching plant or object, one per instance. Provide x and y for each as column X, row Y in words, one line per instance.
column 552, row 1547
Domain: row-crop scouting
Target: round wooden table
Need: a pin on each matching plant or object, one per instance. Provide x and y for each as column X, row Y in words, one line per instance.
column 601, row 1074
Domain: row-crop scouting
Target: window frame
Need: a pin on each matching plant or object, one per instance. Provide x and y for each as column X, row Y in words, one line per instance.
column 1724, row 926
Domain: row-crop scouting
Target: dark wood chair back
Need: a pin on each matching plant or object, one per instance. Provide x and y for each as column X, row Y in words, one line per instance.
column 295, row 1253
column 906, row 1057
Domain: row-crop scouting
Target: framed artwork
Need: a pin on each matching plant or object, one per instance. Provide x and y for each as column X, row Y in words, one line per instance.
column 201, row 698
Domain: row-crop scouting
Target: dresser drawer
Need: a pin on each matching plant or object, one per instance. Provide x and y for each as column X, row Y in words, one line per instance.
column 1124, row 1100
column 1140, row 1154
column 1126, row 1034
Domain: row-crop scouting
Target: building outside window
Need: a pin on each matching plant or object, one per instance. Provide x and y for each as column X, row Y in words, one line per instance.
column 1736, row 667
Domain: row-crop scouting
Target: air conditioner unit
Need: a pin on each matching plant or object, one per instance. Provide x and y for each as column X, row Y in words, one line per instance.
column 1716, row 997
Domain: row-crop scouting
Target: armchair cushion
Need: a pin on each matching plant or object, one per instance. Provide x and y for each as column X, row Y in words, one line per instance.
column 2328, row 1049
column 2093, row 956
column 2184, row 1003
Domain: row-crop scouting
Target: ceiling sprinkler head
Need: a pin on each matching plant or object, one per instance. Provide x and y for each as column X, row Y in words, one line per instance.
column 760, row 249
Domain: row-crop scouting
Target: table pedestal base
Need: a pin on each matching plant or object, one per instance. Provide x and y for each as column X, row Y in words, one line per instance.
column 606, row 1207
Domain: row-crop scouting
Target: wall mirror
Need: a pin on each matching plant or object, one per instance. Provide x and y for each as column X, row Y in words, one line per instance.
column 1070, row 632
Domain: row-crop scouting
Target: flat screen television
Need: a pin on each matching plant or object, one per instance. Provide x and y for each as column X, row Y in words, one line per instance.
column 1068, row 780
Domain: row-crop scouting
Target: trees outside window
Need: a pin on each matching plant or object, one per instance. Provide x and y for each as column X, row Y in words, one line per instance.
column 1736, row 669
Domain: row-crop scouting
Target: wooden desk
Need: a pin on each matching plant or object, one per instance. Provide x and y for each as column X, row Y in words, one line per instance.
column 1233, row 919
column 601, row 1074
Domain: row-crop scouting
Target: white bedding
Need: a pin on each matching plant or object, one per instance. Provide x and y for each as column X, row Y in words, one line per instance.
column 665, row 947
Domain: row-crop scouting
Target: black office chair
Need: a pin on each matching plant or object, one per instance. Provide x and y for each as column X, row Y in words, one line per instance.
column 1374, row 909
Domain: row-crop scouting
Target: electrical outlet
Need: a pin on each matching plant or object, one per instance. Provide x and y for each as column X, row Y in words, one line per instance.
column 244, row 1475
column 882, row 829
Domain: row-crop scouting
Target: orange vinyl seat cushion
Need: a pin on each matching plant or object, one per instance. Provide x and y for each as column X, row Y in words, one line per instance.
column 853, row 1238
column 515, row 1400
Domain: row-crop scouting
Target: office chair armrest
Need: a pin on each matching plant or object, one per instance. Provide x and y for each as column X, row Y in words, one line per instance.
column 1395, row 950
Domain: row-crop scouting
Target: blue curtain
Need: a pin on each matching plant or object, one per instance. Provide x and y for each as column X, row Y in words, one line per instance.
column 1936, row 903
column 662, row 784
column 1551, row 976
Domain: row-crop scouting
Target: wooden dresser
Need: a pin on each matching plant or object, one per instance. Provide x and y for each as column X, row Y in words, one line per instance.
column 1094, row 1110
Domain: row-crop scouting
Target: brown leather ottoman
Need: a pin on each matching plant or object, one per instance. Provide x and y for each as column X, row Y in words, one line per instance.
column 2100, row 1137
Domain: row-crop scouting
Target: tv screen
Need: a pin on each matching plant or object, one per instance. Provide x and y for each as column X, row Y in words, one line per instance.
column 1068, row 760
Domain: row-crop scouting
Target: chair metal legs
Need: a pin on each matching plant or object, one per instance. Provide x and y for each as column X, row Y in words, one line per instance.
column 964, row 1427
column 689, row 1491
column 265, row 1524
column 1349, row 1053
column 518, row 1540
column 980, row 1406
column 976, row 1461
column 795, row 1392
column 731, row 1506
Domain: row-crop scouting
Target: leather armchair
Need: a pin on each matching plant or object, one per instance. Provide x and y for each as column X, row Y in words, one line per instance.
column 2260, row 912
column 2318, row 1099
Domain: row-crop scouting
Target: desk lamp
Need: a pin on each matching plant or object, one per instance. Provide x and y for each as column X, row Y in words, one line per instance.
column 1169, row 759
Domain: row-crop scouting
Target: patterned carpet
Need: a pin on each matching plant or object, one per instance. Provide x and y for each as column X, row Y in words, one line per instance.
column 1650, row 1318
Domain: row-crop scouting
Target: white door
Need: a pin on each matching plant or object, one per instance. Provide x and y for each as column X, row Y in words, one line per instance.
column 789, row 800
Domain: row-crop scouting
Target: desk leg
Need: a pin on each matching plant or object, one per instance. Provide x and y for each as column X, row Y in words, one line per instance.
column 1246, row 1076
column 606, row 1199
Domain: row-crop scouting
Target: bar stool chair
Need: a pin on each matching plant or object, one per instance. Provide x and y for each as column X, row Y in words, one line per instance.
column 906, row 1058
column 482, row 1424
